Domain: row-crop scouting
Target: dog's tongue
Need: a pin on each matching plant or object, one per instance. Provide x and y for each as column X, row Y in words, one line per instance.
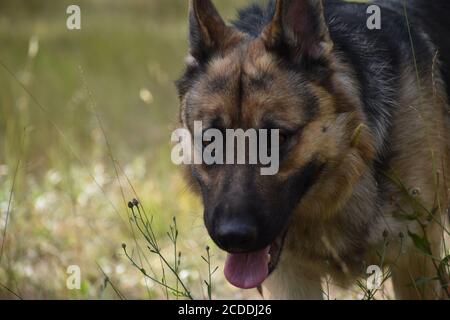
column 247, row 270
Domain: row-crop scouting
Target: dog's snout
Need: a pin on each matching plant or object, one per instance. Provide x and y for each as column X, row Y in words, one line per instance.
column 236, row 236
column 236, row 224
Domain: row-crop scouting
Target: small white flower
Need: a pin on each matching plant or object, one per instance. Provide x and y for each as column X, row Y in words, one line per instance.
column 146, row 96
column 33, row 47
column 3, row 170
column 120, row 269
column 54, row 177
column 40, row 204
column 184, row 274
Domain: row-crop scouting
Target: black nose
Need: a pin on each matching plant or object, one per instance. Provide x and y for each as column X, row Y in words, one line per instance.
column 236, row 236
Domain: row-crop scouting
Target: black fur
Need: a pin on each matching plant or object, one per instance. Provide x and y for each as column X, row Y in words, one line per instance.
column 437, row 23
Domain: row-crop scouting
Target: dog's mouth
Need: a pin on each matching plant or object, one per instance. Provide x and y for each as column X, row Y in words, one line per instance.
column 250, row 270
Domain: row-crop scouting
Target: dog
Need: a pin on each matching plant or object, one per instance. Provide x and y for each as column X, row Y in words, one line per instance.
column 364, row 142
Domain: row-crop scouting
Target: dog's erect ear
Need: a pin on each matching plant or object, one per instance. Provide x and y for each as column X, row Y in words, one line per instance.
column 299, row 26
column 208, row 33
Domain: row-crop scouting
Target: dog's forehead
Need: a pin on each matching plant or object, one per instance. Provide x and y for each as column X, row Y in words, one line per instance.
column 249, row 63
column 245, row 71
column 246, row 86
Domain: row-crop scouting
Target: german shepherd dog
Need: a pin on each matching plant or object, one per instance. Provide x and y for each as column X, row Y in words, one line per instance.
column 364, row 125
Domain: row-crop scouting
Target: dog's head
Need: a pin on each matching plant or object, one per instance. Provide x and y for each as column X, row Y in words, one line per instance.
column 286, row 78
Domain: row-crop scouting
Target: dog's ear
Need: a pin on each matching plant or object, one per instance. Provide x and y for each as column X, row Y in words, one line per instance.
column 208, row 33
column 299, row 27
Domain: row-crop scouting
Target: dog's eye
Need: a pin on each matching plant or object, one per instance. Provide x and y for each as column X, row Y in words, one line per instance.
column 286, row 134
column 283, row 138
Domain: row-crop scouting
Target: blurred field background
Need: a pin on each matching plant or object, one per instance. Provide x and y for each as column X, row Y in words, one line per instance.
column 95, row 124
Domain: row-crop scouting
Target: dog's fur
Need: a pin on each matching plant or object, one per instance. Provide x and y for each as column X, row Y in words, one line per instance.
column 365, row 118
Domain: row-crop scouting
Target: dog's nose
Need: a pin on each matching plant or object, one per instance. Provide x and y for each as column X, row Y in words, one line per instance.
column 236, row 237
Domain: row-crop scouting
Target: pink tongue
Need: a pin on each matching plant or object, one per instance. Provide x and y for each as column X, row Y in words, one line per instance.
column 247, row 270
